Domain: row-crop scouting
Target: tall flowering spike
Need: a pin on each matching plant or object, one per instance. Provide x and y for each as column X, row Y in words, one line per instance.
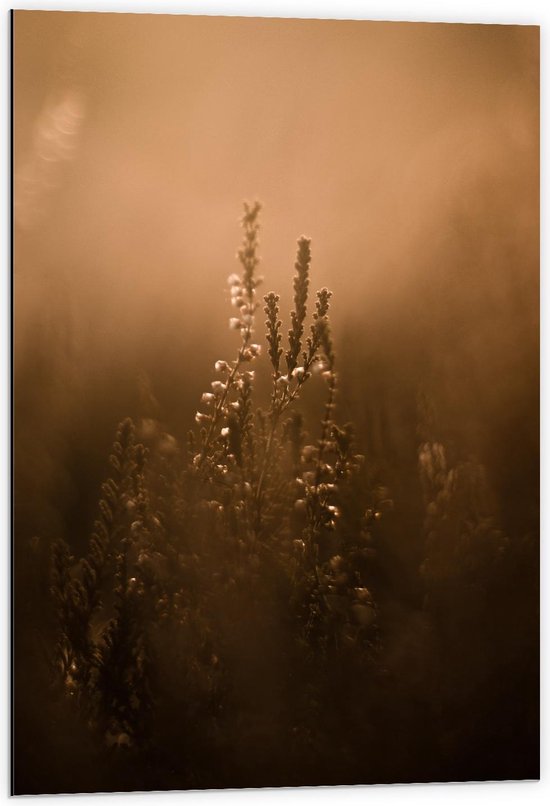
column 243, row 294
column 248, row 252
column 322, row 304
column 298, row 315
column 320, row 331
column 273, row 324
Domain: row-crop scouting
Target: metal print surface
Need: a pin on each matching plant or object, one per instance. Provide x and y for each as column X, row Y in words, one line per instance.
column 275, row 513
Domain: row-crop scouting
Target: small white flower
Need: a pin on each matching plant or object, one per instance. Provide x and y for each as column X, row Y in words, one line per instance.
column 298, row 373
column 208, row 397
column 236, row 290
column 225, row 432
column 236, row 405
column 234, row 323
column 282, row 380
column 218, row 387
column 201, row 418
column 221, row 366
column 233, row 279
column 255, row 349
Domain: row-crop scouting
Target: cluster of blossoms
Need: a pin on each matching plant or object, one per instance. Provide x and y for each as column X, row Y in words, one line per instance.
column 247, row 491
column 225, row 418
column 245, row 303
column 245, row 451
column 301, row 359
column 260, row 480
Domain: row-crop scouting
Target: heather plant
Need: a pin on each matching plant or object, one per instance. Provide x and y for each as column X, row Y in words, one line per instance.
column 465, row 547
column 277, row 495
column 256, row 514
column 241, row 616
column 76, row 586
column 470, row 570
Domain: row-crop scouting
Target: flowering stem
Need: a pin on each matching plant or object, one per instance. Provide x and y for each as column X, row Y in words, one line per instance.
column 223, row 397
column 247, row 286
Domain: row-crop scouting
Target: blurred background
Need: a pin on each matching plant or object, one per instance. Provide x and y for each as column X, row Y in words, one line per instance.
column 407, row 152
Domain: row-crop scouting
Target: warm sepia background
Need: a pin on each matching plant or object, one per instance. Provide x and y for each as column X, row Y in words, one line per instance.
column 408, row 153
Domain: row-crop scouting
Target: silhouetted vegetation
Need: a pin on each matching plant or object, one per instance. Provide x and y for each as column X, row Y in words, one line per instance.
column 238, row 617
